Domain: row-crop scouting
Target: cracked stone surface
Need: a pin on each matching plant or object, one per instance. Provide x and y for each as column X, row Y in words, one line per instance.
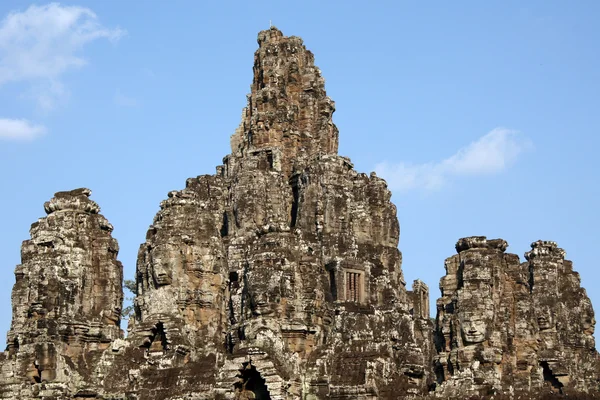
column 279, row 277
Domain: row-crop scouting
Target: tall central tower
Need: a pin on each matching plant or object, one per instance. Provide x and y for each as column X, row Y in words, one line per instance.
column 287, row 258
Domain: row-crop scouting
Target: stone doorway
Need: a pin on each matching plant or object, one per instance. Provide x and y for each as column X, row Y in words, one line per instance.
column 251, row 384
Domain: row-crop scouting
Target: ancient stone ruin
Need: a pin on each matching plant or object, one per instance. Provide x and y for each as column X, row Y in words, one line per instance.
column 503, row 325
column 279, row 277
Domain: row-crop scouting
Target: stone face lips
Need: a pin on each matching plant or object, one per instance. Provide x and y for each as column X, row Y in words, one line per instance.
column 505, row 324
column 279, row 277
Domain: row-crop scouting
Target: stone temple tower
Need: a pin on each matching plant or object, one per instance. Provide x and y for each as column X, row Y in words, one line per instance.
column 67, row 297
column 279, row 277
column 287, row 256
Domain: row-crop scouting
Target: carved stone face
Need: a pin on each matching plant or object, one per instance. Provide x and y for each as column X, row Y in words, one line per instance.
column 545, row 319
column 588, row 321
column 261, row 304
column 203, row 259
column 473, row 328
column 165, row 261
column 415, row 374
column 161, row 273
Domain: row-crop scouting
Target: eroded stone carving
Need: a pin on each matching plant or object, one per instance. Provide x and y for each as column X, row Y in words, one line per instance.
column 67, row 299
column 279, row 277
column 293, row 253
column 505, row 324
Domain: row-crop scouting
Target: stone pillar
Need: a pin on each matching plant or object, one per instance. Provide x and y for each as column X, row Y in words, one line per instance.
column 420, row 299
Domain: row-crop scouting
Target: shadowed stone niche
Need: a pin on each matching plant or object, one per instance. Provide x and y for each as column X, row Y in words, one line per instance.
column 251, row 385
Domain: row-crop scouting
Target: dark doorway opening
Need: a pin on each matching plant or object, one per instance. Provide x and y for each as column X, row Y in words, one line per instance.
column 251, row 384
column 158, row 341
column 549, row 377
column 225, row 225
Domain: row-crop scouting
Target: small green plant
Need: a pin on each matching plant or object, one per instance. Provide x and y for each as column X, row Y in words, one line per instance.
column 131, row 286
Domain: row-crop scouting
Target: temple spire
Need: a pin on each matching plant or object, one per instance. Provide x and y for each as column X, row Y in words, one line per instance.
column 288, row 108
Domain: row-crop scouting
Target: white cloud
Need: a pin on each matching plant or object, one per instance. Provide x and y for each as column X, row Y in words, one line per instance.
column 124, row 101
column 490, row 154
column 41, row 43
column 19, row 129
column 48, row 94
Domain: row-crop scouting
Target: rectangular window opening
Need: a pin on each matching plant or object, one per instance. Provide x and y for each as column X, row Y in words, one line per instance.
column 354, row 286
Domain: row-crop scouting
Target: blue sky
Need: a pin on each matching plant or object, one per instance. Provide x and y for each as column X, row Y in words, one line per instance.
column 482, row 116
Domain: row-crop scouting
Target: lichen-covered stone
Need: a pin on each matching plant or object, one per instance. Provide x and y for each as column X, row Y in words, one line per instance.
column 279, row 277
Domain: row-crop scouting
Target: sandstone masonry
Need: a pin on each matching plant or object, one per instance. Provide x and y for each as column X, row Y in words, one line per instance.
column 279, row 277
